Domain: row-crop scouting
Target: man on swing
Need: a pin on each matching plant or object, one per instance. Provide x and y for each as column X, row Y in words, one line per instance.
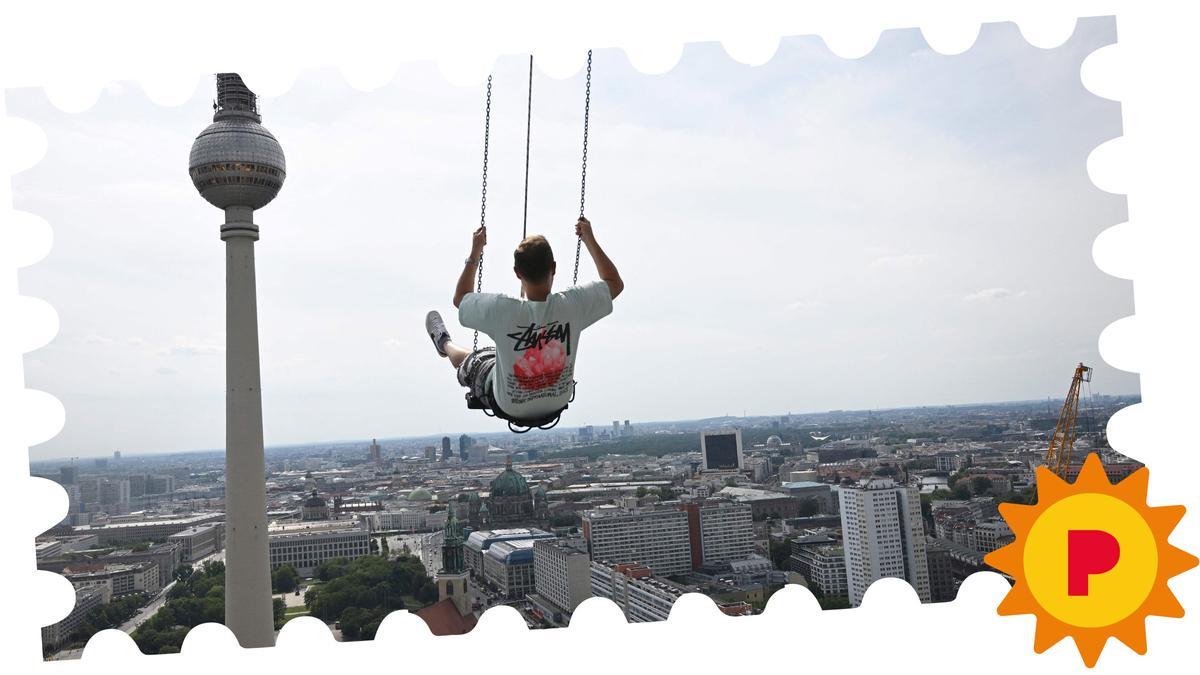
column 529, row 375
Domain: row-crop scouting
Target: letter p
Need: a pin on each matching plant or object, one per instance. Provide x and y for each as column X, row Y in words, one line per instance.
column 1089, row 552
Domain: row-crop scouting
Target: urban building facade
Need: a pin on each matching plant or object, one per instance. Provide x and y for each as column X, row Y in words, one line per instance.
column 883, row 536
column 304, row 546
column 658, row 539
column 561, row 573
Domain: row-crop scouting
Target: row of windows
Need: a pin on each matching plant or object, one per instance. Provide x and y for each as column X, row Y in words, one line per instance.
column 237, row 180
column 245, row 167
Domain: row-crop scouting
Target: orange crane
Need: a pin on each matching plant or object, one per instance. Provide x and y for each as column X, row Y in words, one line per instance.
column 1058, row 457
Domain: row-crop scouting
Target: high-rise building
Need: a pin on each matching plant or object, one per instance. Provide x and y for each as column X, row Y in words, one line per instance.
column 478, row 454
column 726, row 532
column 68, row 475
column 375, row 453
column 561, row 573
column 116, row 456
column 137, row 484
column 658, row 539
column 464, row 447
column 238, row 166
column 586, row 434
column 721, row 450
column 431, row 453
column 628, row 430
column 616, row 429
column 883, row 536
column 113, row 492
column 446, row 448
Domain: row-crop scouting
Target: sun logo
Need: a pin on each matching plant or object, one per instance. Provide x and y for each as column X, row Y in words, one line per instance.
column 1091, row 560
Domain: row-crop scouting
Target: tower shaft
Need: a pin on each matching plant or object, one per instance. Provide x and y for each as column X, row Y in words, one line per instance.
column 248, row 611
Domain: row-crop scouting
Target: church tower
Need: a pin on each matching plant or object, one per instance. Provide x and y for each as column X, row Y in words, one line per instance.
column 452, row 577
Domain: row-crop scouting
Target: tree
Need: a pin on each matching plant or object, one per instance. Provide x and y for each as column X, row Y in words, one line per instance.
column 961, row 491
column 285, row 579
column 183, row 572
column 780, row 552
column 641, row 491
column 666, row 493
column 278, row 610
column 981, row 485
column 834, row 603
column 427, row 594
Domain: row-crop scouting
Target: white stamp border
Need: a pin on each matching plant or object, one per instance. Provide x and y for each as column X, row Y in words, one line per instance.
column 74, row 51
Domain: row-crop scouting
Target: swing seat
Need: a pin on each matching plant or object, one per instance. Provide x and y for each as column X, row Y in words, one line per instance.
column 517, row 425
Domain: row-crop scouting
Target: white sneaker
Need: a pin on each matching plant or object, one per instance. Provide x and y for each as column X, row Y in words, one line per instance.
column 436, row 329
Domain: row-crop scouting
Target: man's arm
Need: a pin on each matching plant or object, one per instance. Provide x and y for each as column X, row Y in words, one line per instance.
column 604, row 267
column 466, row 280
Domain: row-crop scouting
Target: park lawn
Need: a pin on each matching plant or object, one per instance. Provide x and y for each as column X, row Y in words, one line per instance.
column 293, row 612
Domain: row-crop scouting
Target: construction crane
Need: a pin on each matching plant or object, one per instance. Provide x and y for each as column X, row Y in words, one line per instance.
column 1062, row 443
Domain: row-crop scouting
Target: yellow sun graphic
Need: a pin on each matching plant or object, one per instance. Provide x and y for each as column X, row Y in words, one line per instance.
column 1091, row 560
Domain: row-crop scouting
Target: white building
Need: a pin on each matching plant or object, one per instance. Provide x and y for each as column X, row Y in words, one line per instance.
column 883, row 536
column 640, row 596
column 824, row 567
column 200, row 541
column 658, row 539
column 407, row 520
column 561, row 574
column 48, row 549
column 989, row 535
column 86, row 599
column 304, row 546
column 117, row 579
column 726, row 532
column 508, row 567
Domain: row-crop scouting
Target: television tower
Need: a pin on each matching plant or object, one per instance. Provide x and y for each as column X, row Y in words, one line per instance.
column 238, row 166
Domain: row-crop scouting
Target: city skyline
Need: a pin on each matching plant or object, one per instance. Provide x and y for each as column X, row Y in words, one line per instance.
column 476, row 433
column 904, row 228
column 359, row 531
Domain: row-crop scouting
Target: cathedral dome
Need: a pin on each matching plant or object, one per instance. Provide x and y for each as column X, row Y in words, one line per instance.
column 420, row 495
column 509, row 483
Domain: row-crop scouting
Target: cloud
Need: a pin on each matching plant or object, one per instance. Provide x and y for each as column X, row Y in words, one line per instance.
column 804, row 304
column 96, row 339
column 166, row 371
column 990, row 294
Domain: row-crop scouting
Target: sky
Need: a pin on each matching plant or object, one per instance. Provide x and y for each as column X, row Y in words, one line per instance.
column 810, row 234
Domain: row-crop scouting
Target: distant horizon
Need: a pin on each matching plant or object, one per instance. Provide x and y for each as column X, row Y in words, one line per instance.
column 567, row 428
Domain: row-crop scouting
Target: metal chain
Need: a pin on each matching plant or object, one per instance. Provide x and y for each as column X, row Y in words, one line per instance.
column 587, row 107
column 487, row 130
column 528, row 120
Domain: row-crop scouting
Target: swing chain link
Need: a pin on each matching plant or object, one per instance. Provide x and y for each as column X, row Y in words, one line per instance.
column 587, row 107
column 487, row 130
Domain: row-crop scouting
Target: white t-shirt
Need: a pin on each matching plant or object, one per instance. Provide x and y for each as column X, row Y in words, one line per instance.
column 536, row 343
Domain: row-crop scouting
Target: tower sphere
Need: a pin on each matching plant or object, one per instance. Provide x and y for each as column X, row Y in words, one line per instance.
column 236, row 161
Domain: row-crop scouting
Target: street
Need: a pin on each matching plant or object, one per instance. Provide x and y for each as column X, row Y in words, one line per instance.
column 160, row 599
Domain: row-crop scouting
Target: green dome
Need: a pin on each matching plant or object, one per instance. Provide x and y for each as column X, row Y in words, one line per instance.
column 509, row 483
column 420, row 495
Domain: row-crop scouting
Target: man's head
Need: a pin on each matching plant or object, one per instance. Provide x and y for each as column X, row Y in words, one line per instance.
column 533, row 261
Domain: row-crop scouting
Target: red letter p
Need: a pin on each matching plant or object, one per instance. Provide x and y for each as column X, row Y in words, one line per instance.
column 1089, row 552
